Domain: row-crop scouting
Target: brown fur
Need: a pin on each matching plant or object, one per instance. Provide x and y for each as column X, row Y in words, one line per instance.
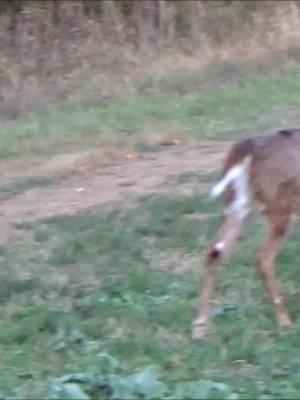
column 274, row 180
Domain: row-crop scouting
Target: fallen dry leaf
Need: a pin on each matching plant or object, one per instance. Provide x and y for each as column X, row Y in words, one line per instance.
column 131, row 156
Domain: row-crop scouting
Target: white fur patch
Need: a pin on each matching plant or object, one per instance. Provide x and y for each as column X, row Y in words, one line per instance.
column 277, row 300
column 219, row 246
column 238, row 175
column 231, row 175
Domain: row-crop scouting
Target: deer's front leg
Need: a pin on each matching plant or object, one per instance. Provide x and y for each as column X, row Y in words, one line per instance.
column 266, row 256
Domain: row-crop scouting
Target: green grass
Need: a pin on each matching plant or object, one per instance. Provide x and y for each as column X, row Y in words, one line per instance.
column 101, row 304
column 225, row 111
column 21, row 185
column 112, row 294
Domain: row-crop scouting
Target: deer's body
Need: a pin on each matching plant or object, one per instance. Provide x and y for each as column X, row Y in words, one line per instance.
column 263, row 170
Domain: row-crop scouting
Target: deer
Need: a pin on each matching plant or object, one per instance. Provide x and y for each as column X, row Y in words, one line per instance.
column 261, row 171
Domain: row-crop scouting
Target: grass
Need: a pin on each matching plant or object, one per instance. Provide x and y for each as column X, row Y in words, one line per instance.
column 104, row 302
column 224, row 111
column 100, row 304
column 21, row 185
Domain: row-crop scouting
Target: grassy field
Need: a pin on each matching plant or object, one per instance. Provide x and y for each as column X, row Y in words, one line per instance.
column 100, row 305
column 194, row 109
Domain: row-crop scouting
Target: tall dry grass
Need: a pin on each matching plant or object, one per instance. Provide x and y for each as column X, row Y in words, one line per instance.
column 88, row 50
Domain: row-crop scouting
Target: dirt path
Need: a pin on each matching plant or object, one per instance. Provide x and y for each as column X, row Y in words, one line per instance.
column 107, row 184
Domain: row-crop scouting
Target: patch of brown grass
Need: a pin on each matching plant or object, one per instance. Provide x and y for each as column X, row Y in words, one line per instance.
column 56, row 51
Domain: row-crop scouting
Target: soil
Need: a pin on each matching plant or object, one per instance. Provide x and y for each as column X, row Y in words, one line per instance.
column 84, row 188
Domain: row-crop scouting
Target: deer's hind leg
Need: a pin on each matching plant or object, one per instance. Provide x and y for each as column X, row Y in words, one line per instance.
column 279, row 226
column 221, row 246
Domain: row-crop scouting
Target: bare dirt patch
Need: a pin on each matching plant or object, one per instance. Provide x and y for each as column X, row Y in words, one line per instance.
column 87, row 188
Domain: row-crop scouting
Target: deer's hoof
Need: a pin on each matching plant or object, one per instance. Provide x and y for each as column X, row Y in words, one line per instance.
column 284, row 321
column 199, row 331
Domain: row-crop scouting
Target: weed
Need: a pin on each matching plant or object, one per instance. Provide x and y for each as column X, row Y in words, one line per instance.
column 21, row 185
column 140, row 315
column 226, row 111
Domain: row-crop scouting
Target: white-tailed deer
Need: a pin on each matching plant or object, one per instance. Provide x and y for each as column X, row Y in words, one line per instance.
column 266, row 170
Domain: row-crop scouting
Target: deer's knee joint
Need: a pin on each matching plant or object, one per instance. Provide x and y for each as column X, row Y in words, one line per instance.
column 280, row 230
column 262, row 266
column 264, row 272
column 214, row 255
column 261, row 256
